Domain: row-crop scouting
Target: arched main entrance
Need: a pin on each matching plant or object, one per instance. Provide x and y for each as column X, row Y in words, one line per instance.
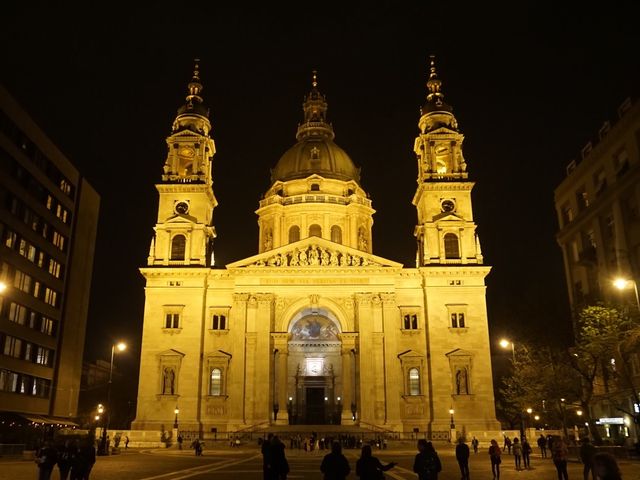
column 315, row 365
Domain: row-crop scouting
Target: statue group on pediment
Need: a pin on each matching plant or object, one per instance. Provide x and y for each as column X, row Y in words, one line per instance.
column 314, row 256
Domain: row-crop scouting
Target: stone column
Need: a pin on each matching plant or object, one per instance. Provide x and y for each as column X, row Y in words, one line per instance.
column 348, row 394
column 280, row 342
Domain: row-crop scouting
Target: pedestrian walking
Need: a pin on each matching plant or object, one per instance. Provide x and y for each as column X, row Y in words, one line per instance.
column 560, row 455
column 369, row 467
column 587, row 455
column 526, row 453
column 474, row 444
column 427, row 463
column 507, row 444
column 542, row 444
column 180, row 440
column 83, row 461
column 606, row 467
column 517, row 453
column 65, row 456
column 278, row 465
column 335, row 465
column 126, row 442
column 495, row 454
column 265, row 449
column 462, row 456
column 46, row 458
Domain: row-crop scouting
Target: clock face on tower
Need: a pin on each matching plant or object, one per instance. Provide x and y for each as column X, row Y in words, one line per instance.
column 182, row 207
column 448, row 206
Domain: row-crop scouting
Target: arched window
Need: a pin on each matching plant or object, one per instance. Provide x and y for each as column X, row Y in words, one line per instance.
column 336, row 234
column 451, row 247
column 215, row 384
column 315, row 230
column 414, row 381
column 294, row 234
column 315, row 187
column 178, row 246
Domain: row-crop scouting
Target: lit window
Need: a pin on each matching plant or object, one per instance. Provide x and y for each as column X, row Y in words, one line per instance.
column 12, row 346
column 50, row 296
column 46, row 326
column 22, row 281
column 58, row 240
column 215, row 386
column 43, row 356
column 17, row 313
column 414, row 381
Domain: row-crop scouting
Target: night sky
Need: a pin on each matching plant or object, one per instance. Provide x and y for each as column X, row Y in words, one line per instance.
column 529, row 87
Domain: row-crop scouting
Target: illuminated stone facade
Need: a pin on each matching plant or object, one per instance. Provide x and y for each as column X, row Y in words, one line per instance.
column 315, row 328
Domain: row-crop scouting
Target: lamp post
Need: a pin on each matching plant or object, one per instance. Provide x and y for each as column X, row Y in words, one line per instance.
column 121, row 347
column 175, row 422
column 624, row 283
column 452, row 426
column 504, row 343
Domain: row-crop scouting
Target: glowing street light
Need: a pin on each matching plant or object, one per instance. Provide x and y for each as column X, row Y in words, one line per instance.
column 504, row 343
column 3, row 287
column 529, row 411
column 624, row 283
column 536, row 417
column 175, row 422
column 121, row 347
column 579, row 413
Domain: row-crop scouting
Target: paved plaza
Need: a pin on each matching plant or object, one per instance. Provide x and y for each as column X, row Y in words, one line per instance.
column 246, row 464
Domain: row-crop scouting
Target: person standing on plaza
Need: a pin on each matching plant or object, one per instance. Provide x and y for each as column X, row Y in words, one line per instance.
column 526, row 453
column 83, row 461
column 542, row 444
column 369, row 467
column 606, row 467
column 517, row 453
column 265, row 449
column 560, row 455
column 507, row 444
column 65, row 456
column 474, row 444
column 462, row 456
column 587, row 454
column 427, row 463
column 335, row 465
column 278, row 465
column 495, row 454
column 46, row 458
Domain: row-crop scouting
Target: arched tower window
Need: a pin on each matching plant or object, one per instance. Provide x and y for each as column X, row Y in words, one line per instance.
column 178, row 247
column 215, row 384
column 336, row 234
column 294, row 234
column 451, row 246
column 315, row 230
column 414, row 381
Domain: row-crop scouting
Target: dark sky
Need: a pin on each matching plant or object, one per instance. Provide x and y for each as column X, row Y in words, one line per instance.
column 529, row 86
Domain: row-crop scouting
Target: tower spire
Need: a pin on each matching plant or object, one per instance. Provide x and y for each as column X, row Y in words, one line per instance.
column 435, row 96
column 314, row 82
column 195, row 86
column 315, row 113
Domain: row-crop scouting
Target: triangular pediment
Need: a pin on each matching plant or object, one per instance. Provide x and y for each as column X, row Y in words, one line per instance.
column 185, row 134
column 314, row 252
column 171, row 353
column 459, row 352
column 410, row 354
column 447, row 217
column 181, row 218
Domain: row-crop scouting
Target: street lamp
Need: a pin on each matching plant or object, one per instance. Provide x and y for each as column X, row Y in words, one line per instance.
column 452, row 426
column 121, row 347
column 624, row 283
column 3, row 287
column 175, row 422
column 504, row 343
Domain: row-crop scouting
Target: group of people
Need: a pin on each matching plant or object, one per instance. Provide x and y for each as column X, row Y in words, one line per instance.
column 75, row 460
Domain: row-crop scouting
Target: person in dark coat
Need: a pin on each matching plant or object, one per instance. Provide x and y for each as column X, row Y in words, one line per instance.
column 427, row 463
column 335, row 465
column 526, row 453
column 369, row 467
column 46, row 458
column 265, row 449
column 587, row 454
column 66, row 453
column 495, row 455
column 606, row 467
column 542, row 443
column 278, row 465
column 83, row 461
column 462, row 456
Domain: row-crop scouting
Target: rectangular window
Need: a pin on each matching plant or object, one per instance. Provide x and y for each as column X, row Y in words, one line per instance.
column 51, row 296
column 58, row 240
column 54, row 268
column 17, row 313
column 219, row 322
column 172, row 320
column 8, row 381
column 457, row 316
column 46, row 326
column 43, row 356
column 414, row 381
column 215, row 384
column 22, row 281
column 10, row 239
column 599, row 181
column 567, row 214
column 582, row 199
column 12, row 346
column 410, row 321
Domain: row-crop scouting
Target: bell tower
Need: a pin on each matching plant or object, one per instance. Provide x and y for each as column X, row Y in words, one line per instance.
column 184, row 230
column 446, row 232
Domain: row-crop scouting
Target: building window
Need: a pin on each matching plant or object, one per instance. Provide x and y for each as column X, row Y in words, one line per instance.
column 458, row 320
column 219, row 322
column 215, row 384
column 294, row 234
column 8, row 381
column 46, row 326
column 451, row 247
column 315, row 230
column 172, row 320
column 50, row 296
column 54, row 268
column 336, row 234
column 315, row 187
column 22, row 281
column 582, row 199
column 410, row 321
column 414, row 381
column 17, row 313
column 58, row 240
column 43, row 356
column 12, row 346
column 178, row 247
column 599, row 181
column 567, row 214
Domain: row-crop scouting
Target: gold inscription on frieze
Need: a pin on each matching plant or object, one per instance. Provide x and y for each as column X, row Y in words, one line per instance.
column 314, row 281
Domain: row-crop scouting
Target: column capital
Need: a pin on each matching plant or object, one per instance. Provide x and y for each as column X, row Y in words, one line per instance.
column 281, row 340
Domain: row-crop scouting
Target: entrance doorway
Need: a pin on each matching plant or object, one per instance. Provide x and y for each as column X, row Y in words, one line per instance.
column 315, row 412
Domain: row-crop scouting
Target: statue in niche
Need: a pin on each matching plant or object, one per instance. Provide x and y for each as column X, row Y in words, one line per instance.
column 268, row 240
column 462, row 381
column 324, row 258
column 294, row 258
column 362, row 239
column 313, row 256
column 168, row 381
column 334, row 259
